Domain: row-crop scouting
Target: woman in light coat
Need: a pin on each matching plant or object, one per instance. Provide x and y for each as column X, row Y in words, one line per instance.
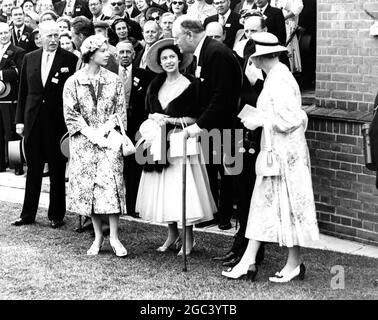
column 93, row 97
column 282, row 208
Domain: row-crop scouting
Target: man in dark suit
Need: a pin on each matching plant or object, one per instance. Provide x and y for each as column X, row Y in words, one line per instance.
column 95, row 7
column 10, row 67
column 275, row 20
column 40, row 119
column 131, row 9
column 219, row 91
column 228, row 19
column 21, row 34
column 136, row 81
column 6, row 7
column 72, row 8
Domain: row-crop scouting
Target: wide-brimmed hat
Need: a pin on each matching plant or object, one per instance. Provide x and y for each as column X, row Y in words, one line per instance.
column 101, row 24
column 152, row 56
column 5, row 88
column 154, row 8
column 266, row 43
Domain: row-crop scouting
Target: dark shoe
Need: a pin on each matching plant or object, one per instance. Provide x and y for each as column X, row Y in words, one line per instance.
column 225, row 226
column 260, row 254
column 19, row 172
column 56, row 224
column 228, row 256
column 21, row 222
column 206, row 223
column 3, row 169
column 232, row 262
column 135, row 215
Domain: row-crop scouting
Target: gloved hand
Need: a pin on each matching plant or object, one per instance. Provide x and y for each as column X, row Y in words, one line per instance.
column 252, row 123
column 95, row 137
column 104, row 129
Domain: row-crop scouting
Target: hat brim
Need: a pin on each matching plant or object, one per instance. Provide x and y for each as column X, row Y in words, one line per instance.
column 263, row 50
column 153, row 9
column 7, row 89
column 152, row 56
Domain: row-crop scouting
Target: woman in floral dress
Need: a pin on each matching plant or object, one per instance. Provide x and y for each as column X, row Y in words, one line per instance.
column 282, row 208
column 92, row 98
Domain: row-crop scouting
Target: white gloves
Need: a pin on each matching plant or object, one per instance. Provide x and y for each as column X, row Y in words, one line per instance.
column 95, row 136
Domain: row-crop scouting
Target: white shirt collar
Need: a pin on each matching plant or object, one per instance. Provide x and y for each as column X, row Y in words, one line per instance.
column 226, row 15
column 21, row 29
column 264, row 8
column 45, row 53
column 199, row 48
column 5, row 48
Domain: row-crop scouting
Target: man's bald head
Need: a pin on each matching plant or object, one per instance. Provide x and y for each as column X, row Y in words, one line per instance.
column 215, row 30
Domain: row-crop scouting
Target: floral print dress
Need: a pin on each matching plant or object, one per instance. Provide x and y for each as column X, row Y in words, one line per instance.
column 282, row 208
column 95, row 174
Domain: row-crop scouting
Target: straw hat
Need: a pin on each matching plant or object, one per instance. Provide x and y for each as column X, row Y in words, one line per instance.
column 152, row 56
column 266, row 43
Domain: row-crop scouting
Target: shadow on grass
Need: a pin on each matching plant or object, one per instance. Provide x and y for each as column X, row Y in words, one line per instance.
column 38, row 262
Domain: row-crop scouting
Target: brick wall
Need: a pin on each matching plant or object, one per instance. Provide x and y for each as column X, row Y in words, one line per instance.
column 346, row 85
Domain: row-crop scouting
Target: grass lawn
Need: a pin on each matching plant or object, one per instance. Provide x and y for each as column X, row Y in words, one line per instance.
column 37, row 262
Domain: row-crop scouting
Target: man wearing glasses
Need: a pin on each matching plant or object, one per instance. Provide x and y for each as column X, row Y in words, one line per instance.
column 227, row 18
column 95, row 7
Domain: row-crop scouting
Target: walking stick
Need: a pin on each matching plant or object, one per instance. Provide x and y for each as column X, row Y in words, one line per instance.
column 184, row 202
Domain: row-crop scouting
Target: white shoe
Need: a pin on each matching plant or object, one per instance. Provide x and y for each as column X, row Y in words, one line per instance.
column 298, row 272
column 119, row 249
column 95, row 249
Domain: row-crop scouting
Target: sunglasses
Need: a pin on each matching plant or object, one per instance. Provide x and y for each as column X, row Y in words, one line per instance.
column 154, row 18
column 177, row 2
column 117, row 3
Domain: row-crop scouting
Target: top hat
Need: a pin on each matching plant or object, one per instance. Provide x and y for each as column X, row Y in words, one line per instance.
column 153, row 59
column 266, row 43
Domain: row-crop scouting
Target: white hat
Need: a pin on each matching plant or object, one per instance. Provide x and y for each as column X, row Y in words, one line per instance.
column 266, row 43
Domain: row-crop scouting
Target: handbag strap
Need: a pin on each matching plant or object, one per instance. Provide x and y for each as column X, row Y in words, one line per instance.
column 123, row 132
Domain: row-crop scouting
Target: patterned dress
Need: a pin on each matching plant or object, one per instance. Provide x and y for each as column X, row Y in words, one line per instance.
column 95, row 174
column 282, row 208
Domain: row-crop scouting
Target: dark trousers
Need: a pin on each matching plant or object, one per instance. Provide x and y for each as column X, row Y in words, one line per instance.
column 245, row 184
column 7, row 130
column 132, row 172
column 43, row 145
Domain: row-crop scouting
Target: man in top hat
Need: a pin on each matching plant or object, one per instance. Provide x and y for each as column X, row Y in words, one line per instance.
column 72, row 8
column 39, row 118
column 219, row 92
column 21, row 34
column 10, row 68
column 227, row 18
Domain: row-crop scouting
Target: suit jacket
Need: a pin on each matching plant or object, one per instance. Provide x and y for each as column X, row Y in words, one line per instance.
column 137, row 60
column 10, row 65
column 275, row 22
column 26, row 40
column 134, row 12
column 80, row 8
column 103, row 17
column 32, row 95
column 231, row 26
column 219, row 90
column 137, row 112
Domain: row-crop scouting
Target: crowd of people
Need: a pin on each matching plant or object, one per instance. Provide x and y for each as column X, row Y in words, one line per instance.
column 165, row 71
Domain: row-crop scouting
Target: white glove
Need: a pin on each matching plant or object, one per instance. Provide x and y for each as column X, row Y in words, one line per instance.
column 252, row 123
column 252, row 73
column 104, row 129
column 95, row 137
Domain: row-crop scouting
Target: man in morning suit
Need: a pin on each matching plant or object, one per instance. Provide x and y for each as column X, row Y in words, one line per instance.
column 227, row 18
column 40, row 119
column 10, row 67
column 21, row 34
column 219, row 91
column 136, row 81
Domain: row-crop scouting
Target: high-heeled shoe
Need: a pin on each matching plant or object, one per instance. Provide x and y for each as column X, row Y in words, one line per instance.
column 240, row 274
column 119, row 249
column 173, row 245
column 95, row 249
column 188, row 252
column 297, row 273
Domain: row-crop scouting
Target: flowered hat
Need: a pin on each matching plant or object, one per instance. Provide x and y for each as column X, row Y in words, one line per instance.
column 92, row 43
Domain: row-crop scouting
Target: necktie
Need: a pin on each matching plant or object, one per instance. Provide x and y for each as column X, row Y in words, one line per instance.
column 18, row 35
column 45, row 69
column 124, row 74
column 222, row 19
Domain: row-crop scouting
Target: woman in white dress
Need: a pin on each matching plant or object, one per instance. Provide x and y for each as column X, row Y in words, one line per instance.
column 170, row 99
column 282, row 208
column 291, row 10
